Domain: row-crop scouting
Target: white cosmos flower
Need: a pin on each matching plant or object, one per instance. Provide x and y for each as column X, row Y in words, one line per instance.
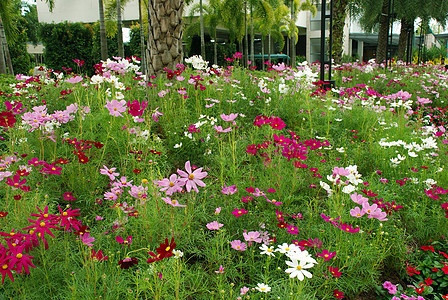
column 264, row 288
column 298, row 269
column 267, row 250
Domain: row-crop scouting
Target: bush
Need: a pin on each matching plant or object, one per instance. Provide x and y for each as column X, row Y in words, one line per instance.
column 66, row 41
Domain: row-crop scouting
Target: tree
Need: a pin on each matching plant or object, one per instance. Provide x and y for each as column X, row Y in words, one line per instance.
column 339, row 16
column 114, row 23
column 8, row 31
column 374, row 16
column 296, row 6
column 165, row 28
column 103, row 37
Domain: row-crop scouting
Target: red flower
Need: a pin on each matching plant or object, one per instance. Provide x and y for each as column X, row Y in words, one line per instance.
column 338, row 294
column 411, row 271
column 420, row 290
column 445, row 269
column 136, row 171
column 334, row 271
column 369, row 193
column 3, row 214
column 22, row 173
column 427, row 248
column 15, row 181
column 7, row 119
column 128, row 262
column 98, row 256
column 444, row 254
column 166, row 249
column 61, row 161
column 428, row 281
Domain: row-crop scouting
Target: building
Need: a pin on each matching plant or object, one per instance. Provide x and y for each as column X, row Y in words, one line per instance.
column 357, row 43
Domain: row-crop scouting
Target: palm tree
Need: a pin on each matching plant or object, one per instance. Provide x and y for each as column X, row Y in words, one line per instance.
column 8, row 31
column 103, row 37
column 296, row 6
column 165, row 28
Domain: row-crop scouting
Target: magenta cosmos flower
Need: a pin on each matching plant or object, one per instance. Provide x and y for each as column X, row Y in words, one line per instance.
column 191, row 179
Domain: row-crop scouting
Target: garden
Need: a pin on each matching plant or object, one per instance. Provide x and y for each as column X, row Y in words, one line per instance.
column 224, row 182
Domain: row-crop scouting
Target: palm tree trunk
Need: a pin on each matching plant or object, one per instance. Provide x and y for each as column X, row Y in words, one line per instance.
column 293, row 37
column 252, row 50
column 403, row 39
column 142, row 38
column 2, row 59
column 215, row 50
column 103, row 38
column 246, row 41
column 202, row 31
column 165, row 27
column 119, row 30
column 382, row 34
column 5, row 58
column 339, row 15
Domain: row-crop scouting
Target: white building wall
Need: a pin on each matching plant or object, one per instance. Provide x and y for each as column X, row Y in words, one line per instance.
column 85, row 11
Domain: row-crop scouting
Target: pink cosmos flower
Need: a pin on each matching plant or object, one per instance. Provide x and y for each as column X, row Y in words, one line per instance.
column 116, row 107
column 214, row 225
column 221, row 269
column 74, row 79
column 229, row 118
column 217, row 210
column 252, row 236
column 229, row 190
column 221, row 130
column 357, row 212
column 238, row 245
column 379, row 215
column 86, row 239
column 358, row 198
column 172, row 202
column 156, row 114
column 109, row 172
column 244, row 290
column 192, row 179
column 369, row 209
column 171, row 185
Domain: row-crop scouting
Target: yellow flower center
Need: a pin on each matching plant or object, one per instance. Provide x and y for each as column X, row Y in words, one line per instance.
column 64, row 213
column 191, row 177
column 19, row 255
column 45, row 215
column 299, row 268
column 174, row 201
column 42, row 224
column 262, row 289
column 5, row 266
column 16, row 184
column 54, row 169
column 326, row 255
column 171, row 184
column 167, row 248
